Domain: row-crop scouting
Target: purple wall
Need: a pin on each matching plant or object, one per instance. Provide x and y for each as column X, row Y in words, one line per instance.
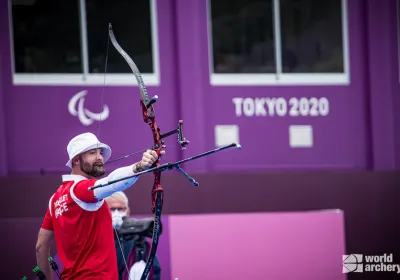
column 340, row 138
column 395, row 81
column 3, row 153
column 383, row 86
column 358, row 133
column 39, row 125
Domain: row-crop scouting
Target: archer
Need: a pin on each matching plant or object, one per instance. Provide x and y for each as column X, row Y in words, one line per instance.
column 78, row 217
column 92, row 204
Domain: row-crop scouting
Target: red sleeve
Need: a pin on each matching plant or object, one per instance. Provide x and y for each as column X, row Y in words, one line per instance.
column 47, row 222
column 82, row 192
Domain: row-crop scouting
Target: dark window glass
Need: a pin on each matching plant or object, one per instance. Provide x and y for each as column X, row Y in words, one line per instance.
column 242, row 36
column 46, row 36
column 131, row 22
column 311, row 32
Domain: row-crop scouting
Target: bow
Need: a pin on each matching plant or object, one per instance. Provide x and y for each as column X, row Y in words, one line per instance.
column 149, row 118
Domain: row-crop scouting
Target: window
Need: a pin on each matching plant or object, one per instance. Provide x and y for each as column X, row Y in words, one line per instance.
column 261, row 42
column 65, row 42
column 46, row 37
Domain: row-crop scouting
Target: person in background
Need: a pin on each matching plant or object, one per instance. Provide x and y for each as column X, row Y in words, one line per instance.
column 135, row 247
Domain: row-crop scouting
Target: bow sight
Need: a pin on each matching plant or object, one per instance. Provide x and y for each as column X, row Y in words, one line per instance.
column 181, row 140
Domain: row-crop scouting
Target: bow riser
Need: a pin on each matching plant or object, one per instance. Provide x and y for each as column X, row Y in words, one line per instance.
column 158, row 143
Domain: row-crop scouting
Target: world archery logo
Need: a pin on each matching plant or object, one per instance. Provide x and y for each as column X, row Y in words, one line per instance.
column 367, row 263
column 85, row 116
column 352, row 263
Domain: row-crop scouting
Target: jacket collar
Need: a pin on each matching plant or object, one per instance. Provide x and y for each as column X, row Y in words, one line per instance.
column 72, row 177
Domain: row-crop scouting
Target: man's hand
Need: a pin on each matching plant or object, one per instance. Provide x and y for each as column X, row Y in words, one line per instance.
column 149, row 158
column 43, row 247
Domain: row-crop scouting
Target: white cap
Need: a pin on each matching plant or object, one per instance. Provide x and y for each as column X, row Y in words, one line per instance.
column 83, row 143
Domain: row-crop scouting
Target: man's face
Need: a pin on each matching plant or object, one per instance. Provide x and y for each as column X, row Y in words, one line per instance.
column 91, row 162
column 116, row 204
column 118, row 210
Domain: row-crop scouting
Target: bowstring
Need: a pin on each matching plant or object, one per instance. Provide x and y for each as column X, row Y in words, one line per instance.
column 104, row 87
column 98, row 137
column 123, row 256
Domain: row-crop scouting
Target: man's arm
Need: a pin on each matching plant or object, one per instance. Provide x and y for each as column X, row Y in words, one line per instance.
column 101, row 193
column 83, row 194
column 43, row 246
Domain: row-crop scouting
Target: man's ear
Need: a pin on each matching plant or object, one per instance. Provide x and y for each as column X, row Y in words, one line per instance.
column 75, row 161
column 128, row 211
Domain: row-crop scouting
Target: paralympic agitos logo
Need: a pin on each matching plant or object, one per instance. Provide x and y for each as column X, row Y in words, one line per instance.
column 76, row 107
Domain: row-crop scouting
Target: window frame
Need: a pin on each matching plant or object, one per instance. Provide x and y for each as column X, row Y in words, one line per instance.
column 86, row 78
column 279, row 78
column 398, row 37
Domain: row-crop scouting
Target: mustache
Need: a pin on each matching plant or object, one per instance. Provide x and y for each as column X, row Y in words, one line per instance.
column 98, row 164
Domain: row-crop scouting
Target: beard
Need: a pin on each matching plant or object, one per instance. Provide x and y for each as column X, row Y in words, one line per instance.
column 94, row 170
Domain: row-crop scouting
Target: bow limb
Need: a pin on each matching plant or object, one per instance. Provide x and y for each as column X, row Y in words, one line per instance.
column 135, row 70
column 146, row 103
